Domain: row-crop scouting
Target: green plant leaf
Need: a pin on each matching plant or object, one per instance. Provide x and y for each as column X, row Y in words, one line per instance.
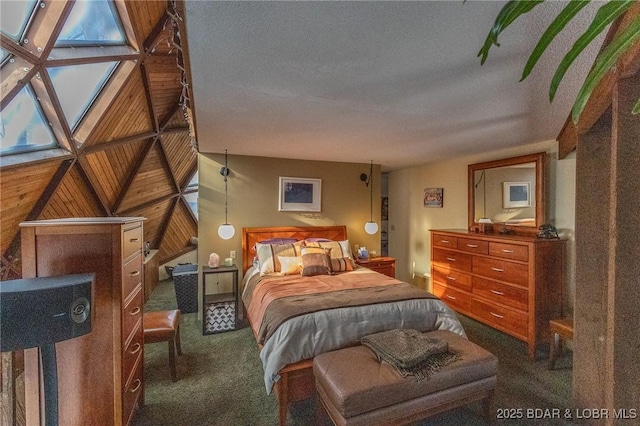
column 606, row 60
column 509, row 13
column 552, row 31
column 636, row 108
column 605, row 16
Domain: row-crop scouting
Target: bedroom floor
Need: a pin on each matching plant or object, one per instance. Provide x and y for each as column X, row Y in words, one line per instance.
column 220, row 379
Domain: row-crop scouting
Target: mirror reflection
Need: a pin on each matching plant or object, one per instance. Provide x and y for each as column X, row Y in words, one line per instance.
column 506, row 194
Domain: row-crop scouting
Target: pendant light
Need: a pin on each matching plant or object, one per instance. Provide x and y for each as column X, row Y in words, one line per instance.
column 370, row 227
column 225, row 231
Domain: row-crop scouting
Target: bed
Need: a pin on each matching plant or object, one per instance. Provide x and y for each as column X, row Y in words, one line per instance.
column 295, row 318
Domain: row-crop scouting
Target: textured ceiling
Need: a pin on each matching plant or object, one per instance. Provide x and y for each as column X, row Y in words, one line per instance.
column 398, row 83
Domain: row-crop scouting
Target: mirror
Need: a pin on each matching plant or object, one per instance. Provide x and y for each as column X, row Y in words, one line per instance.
column 509, row 193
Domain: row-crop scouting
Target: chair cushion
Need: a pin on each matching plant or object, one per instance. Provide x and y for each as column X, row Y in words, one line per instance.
column 160, row 326
column 356, row 382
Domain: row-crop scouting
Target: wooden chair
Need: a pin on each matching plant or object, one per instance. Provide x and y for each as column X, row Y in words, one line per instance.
column 164, row 326
column 558, row 329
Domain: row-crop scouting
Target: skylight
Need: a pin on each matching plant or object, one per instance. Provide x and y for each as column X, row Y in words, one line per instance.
column 92, row 22
column 3, row 55
column 78, row 85
column 23, row 126
column 191, row 195
column 15, row 17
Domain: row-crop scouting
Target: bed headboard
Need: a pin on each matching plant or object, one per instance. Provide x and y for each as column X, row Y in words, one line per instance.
column 250, row 236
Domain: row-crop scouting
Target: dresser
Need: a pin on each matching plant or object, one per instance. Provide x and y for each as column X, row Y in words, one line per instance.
column 384, row 265
column 100, row 374
column 510, row 282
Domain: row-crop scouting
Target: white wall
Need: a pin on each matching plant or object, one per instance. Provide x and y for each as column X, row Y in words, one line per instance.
column 410, row 221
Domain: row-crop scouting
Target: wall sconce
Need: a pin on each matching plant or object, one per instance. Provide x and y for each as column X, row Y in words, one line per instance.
column 370, row 227
column 225, row 231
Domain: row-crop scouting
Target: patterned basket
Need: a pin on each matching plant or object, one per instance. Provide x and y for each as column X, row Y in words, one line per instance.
column 220, row 316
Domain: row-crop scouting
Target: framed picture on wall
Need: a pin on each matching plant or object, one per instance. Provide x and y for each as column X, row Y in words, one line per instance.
column 433, row 197
column 299, row 194
column 516, row 194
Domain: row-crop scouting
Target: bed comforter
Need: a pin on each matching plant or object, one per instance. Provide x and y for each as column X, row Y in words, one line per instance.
column 296, row 318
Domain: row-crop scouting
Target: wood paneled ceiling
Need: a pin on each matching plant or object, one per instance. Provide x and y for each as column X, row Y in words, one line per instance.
column 132, row 154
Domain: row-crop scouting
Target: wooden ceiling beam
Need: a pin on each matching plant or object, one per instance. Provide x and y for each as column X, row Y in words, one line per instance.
column 48, row 21
column 92, row 55
column 117, row 142
column 132, row 175
column 94, row 184
column 167, row 219
column 151, row 42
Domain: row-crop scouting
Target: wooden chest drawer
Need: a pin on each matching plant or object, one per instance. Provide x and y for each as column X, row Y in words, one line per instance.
column 131, row 276
column 131, row 315
column 451, row 260
column 501, row 270
column 509, row 251
column 131, row 242
column 504, row 319
column 473, row 246
column 457, row 300
column 515, row 297
column 444, row 241
column 132, row 391
column 131, row 352
column 452, row 278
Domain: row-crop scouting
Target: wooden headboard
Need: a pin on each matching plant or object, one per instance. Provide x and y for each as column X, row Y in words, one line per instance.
column 250, row 236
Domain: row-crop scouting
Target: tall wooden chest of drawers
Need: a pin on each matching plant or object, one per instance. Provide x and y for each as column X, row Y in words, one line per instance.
column 510, row 282
column 100, row 374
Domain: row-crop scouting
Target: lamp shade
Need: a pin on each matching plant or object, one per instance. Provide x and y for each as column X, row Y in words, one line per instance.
column 371, row 227
column 226, row 231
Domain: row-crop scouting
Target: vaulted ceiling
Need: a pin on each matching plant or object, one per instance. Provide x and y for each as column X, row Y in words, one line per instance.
column 132, row 152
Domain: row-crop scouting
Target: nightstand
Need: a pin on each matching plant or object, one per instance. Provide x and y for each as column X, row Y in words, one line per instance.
column 219, row 310
column 384, row 265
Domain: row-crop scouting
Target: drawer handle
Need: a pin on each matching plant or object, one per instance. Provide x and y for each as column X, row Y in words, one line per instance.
column 134, row 274
column 499, row 293
column 138, row 383
column 135, row 311
column 444, row 241
column 134, row 240
column 451, row 278
column 450, row 297
column 496, row 315
column 472, row 245
column 137, row 347
column 451, row 259
column 507, row 251
column 497, row 269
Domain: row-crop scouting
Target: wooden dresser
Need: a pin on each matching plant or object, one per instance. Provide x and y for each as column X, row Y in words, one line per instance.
column 510, row 282
column 100, row 374
column 384, row 265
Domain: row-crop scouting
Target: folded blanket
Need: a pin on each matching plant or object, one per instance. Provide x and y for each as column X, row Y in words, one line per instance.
column 410, row 352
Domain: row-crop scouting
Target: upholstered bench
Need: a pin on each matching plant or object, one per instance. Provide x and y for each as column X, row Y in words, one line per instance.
column 356, row 389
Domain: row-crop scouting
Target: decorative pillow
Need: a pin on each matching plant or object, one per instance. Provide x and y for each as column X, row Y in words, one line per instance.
column 316, row 261
column 342, row 264
column 290, row 265
column 339, row 249
column 275, row 241
column 268, row 256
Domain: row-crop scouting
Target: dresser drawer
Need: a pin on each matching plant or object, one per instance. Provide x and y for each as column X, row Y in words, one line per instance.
column 457, row 300
column 444, row 241
column 131, row 242
column 451, row 260
column 502, row 270
column 509, row 321
column 131, row 276
column 132, row 391
column 509, row 251
column 452, row 278
column 473, row 246
column 131, row 315
column 131, row 352
column 515, row 297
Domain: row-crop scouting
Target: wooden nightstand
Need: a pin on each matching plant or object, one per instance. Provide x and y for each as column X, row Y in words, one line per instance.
column 384, row 265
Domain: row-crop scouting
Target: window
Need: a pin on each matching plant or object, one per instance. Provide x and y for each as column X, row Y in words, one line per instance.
column 191, row 194
column 92, row 22
column 15, row 17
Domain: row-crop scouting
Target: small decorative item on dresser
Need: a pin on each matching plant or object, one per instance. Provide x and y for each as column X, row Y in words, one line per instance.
column 214, row 260
column 228, row 261
column 363, row 253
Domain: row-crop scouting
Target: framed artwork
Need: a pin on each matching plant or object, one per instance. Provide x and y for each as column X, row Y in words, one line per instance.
column 299, row 194
column 516, row 194
column 433, row 197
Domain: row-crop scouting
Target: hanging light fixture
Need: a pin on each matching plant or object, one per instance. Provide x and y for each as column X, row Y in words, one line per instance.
column 370, row 227
column 225, row 231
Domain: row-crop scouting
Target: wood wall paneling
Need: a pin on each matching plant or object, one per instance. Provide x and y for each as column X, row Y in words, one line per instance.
column 178, row 234
column 73, row 198
column 180, row 156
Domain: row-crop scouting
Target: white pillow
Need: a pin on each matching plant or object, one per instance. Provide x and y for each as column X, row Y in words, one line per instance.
column 290, row 265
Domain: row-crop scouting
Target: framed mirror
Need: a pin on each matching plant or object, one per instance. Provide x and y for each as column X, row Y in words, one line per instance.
column 509, row 193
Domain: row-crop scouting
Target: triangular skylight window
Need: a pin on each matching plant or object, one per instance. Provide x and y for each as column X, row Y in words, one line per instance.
column 92, row 22
column 15, row 17
column 78, row 85
column 23, row 126
column 4, row 55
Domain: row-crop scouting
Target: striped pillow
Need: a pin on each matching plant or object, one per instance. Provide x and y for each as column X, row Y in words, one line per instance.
column 316, row 261
column 268, row 256
column 342, row 264
column 339, row 249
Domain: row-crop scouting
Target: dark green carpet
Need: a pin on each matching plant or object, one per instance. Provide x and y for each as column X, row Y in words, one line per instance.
column 220, row 379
